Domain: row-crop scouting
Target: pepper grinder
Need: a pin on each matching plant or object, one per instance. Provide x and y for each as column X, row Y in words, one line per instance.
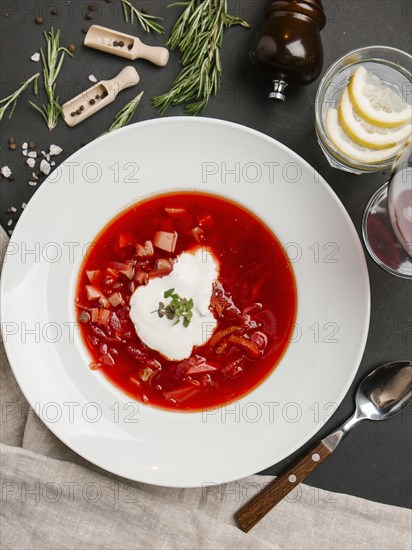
column 288, row 50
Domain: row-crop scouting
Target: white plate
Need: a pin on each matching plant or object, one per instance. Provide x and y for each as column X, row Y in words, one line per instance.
column 97, row 420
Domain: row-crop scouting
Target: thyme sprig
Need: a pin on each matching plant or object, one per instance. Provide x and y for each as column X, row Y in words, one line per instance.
column 179, row 308
column 52, row 64
column 125, row 114
column 198, row 34
column 11, row 100
column 148, row 22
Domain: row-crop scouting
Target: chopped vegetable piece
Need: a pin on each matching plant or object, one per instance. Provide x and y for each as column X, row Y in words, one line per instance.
column 91, row 275
column 199, row 369
column 248, row 345
column 163, row 264
column 145, row 374
column 141, row 277
column 165, row 240
column 84, row 317
column 146, row 250
column 218, row 336
column 100, row 316
column 198, row 234
column 104, row 302
column 175, row 211
column 182, row 394
column 116, row 299
column 93, row 293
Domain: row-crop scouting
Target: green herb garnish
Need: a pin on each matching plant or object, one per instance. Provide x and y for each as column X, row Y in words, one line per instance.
column 148, row 22
column 178, row 308
column 52, row 64
column 198, row 34
column 12, row 98
column 125, row 114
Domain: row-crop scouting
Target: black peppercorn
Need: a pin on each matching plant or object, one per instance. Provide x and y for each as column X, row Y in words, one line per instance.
column 32, row 145
column 11, row 140
column 88, row 15
column 39, row 20
column 121, row 43
column 12, row 146
column 92, row 101
column 71, row 48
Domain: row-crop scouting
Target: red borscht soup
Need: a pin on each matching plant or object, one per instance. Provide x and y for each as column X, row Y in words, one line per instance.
column 252, row 301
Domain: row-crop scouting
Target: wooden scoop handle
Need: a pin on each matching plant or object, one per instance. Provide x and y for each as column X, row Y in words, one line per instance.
column 155, row 54
column 127, row 78
column 248, row 516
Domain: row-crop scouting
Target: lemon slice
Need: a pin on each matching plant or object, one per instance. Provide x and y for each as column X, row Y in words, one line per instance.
column 351, row 149
column 365, row 134
column 376, row 102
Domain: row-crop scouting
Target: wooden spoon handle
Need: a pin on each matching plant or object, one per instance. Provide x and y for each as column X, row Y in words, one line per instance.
column 248, row 516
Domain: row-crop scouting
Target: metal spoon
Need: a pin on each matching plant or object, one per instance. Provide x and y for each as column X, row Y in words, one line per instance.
column 381, row 394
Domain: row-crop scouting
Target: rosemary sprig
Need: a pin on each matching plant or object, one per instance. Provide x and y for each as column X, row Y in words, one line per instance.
column 52, row 65
column 148, row 22
column 125, row 114
column 198, row 34
column 178, row 308
column 12, row 98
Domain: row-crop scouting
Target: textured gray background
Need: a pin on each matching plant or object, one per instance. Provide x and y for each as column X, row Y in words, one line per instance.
column 375, row 462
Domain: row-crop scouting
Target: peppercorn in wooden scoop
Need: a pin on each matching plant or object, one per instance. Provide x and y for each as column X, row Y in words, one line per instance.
column 98, row 96
column 124, row 45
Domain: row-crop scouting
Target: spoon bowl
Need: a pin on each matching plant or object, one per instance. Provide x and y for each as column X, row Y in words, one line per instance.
column 385, row 391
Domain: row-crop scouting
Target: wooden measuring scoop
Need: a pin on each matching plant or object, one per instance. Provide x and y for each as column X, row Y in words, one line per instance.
column 98, row 96
column 124, row 45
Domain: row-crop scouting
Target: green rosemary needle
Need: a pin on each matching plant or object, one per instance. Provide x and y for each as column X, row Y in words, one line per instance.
column 148, row 22
column 198, row 34
column 11, row 100
column 125, row 114
column 52, row 64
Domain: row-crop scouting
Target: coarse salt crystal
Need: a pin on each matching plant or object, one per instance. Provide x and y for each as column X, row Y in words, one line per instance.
column 23, row 205
column 48, row 157
column 9, row 223
column 35, row 57
column 43, row 153
column 24, row 146
column 55, row 150
column 92, row 78
column 52, row 163
column 13, row 208
column 45, row 167
column 31, row 162
column 32, row 154
column 34, row 176
column 10, row 232
column 24, row 152
column 6, row 172
column 32, row 183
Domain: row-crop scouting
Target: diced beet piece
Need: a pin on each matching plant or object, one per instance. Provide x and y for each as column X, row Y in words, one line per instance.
column 165, row 240
column 91, row 275
column 146, row 250
column 135, row 352
column 163, row 264
column 141, row 277
column 116, row 299
column 115, row 322
column 100, row 316
column 200, row 369
column 182, row 394
column 126, row 269
column 84, row 317
column 259, row 339
column 93, row 293
column 104, row 302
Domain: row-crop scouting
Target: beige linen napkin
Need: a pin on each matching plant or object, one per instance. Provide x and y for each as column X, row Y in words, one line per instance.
column 54, row 499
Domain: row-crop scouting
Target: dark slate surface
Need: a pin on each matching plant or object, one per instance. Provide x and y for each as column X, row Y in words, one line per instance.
column 375, row 462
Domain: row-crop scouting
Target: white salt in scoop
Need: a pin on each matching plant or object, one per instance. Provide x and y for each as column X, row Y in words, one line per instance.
column 124, row 45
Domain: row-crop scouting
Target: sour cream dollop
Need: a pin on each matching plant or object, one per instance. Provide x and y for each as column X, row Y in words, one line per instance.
column 192, row 276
